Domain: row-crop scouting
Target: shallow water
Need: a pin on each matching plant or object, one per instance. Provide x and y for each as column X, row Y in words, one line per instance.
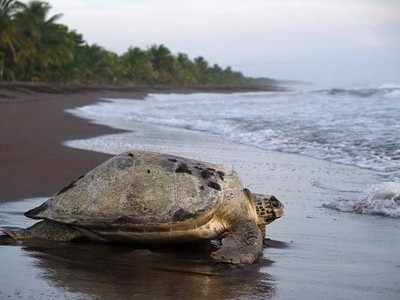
column 358, row 127
column 330, row 255
column 315, row 253
column 49, row 270
column 87, row 271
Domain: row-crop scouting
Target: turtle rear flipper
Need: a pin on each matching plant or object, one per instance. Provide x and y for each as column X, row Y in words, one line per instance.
column 46, row 230
column 13, row 232
column 241, row 245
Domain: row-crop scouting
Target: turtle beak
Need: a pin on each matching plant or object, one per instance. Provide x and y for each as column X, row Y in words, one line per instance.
column 277, row 207
column 278, row 212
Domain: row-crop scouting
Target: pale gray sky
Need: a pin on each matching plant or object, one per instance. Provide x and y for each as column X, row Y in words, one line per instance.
column 352, row 41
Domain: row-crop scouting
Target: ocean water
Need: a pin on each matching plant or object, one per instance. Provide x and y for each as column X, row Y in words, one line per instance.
column 353, row 126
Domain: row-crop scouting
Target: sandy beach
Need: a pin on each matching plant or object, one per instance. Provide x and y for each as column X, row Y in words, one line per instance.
column 32, row 129
column 33, row 126
column 313, row 252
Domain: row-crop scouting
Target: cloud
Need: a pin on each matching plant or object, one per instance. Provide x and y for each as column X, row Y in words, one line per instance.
column 349, row 21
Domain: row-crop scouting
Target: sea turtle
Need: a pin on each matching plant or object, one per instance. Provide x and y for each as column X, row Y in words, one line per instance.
column 147, row 197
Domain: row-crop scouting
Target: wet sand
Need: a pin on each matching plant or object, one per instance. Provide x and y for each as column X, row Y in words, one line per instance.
column 315, row 253
column 32, row 128
column 43, row 270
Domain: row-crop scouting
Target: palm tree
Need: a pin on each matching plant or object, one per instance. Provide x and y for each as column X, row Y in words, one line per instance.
column 185, row 70
column 8, row 36
column 159, row 55
column 34, row 46
column 44, row 41
column 163, row 63
column 137, row 65
column 201, row 69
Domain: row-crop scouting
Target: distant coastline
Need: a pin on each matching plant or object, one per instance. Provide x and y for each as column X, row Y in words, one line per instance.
column 16, row 89
column 35, row 47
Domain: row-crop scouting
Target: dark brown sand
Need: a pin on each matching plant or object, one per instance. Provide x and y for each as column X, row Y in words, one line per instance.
column 33, row 126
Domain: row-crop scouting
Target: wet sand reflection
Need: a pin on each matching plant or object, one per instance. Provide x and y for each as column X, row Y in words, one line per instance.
column 119, row 272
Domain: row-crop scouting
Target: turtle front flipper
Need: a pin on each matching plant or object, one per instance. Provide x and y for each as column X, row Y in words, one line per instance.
column 45, row 230
column 241, row 245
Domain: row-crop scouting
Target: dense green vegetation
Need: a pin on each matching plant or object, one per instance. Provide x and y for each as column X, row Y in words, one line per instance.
column 35, row 47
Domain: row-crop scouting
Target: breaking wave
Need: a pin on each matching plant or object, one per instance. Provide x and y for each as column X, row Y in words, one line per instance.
column 336, row 125
column 363, row 132
column 385, row 90
column 382, row 199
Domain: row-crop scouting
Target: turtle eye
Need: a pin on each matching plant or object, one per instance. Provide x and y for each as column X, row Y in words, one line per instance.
column 275, row 202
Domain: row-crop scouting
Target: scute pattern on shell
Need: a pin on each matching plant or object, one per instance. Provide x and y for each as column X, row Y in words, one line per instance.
column 140, row 188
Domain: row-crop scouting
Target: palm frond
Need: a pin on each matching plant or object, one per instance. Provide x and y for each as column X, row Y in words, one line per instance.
column 54, row 18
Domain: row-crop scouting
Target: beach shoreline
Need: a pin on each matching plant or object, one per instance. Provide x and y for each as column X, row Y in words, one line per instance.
column 34, row 124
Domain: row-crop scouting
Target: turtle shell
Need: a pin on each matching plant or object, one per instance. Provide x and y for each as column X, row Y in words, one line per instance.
column 138, row 188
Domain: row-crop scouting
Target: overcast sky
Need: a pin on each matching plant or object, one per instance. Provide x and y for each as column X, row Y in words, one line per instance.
column 352, row 41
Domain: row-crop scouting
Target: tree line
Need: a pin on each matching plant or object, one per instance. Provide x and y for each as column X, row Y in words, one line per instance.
column 35, row 47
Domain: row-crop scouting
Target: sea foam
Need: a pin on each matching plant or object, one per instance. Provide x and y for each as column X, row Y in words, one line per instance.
column 382, row 199
column 335, row 125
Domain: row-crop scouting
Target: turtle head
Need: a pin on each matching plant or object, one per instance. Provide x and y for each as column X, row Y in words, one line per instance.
column 268, row 207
